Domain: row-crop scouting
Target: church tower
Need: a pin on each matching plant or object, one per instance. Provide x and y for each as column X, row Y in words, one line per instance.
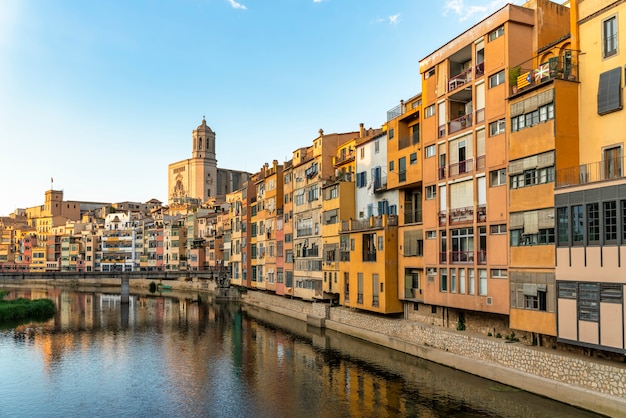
column 196, row 177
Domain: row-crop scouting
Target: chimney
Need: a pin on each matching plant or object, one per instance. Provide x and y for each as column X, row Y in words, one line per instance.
column 361, row 130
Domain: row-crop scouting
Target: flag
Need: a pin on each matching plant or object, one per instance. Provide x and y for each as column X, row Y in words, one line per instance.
column 523, row 80
column 542, row 72
column 51, row 180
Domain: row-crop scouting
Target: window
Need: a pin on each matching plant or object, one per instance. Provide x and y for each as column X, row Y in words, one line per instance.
column 532, row 177
column 431, row 234
column 361, row 179
column 431, row 151
column 577, row 224
column 496, row 33
column 362, row 153
column 444, row 279
column 593, row 222
column 610, row 221
column 431, row 192
column 497, row 127
column 429, row 111
column 498, row 229
column 429, row 73
column 610, row 91
column 536, row 302
column 497, row 177
column 499, row 274
column 482, row 284
column 540, row 115
column 391, row 134
column 609, row 37
column 376, row 147
column 402, row 169
column 496, row 79
column 391, row 165
column 413, row 158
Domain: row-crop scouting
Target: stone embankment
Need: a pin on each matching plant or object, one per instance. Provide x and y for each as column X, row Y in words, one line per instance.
column 594, row 384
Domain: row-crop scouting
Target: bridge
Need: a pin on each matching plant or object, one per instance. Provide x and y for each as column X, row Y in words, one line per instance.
column 219, row 278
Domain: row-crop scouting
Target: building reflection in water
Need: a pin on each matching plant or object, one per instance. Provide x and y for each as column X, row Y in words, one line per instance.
column 198, row 357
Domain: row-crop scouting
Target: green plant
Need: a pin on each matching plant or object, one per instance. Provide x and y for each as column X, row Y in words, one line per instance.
column 461, row 325
column 498, row 335
column 489, row 334
column 153, row 287
column 514, row 72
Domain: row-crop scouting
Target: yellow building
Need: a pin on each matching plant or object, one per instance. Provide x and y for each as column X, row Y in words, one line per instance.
column 405, row 166
column 590, row 196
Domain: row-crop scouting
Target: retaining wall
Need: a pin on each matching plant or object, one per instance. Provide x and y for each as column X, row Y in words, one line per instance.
column 589, row 383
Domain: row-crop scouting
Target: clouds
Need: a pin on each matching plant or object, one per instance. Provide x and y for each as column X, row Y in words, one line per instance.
column 471, row 11
column 236, row 5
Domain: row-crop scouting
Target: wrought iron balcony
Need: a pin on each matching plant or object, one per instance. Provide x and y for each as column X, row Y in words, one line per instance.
column 591, row 173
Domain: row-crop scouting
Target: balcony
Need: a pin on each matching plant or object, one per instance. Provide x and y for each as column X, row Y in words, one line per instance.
column 460, row 79
column 412, row 216
column 380, row 184
column 480, row 163
column 461, row 257
column 459, row 123
column 462, row 167
column 441, row 131
column 563, row 67
column 344, row 158
column 591, row 172
column 461, row 215
column 442, row 173
column 443, row 218
column 374, row 222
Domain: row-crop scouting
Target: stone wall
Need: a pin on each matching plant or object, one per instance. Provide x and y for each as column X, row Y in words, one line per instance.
column 585, row 382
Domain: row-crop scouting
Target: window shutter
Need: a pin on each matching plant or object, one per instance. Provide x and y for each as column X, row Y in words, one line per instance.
column 516, row 220
column 531, row 222
column 610, row 91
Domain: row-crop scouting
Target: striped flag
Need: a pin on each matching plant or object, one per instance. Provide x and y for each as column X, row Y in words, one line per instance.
column 523, row 80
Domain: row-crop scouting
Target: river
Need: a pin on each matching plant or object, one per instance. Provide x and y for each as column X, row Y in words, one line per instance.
column 187, row 355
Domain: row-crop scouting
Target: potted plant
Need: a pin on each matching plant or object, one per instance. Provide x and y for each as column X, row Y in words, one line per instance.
column 514, row 72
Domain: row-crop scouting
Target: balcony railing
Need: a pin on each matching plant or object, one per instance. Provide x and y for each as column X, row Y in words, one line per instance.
column 375, row 301
column 466, row 166
column 460, row 79
column 481, row 256
column 479, row 69
column 443, row 257
column 564, row 67
column 412, row 216
column 461, row 256
column 441, row 131
column 406, row 141
column 480, row 162
column 442, row 173
column 344, row 158
column 591, row 172
column 380, row 184
column 443, row 218
column 459, row 123
column 461, row 215
column 480, row 115
column 481, row 213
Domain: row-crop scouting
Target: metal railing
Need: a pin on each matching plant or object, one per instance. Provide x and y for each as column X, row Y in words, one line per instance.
column 591, row 172
column 462, row 167
column 460, row 79
column 460, row 123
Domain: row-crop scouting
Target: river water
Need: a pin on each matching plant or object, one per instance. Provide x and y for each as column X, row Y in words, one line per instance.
column 187, row 355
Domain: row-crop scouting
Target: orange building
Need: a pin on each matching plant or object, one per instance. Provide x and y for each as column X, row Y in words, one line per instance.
column 466, row 136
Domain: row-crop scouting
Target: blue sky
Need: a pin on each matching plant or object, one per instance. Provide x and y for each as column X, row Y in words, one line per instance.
column 103, row 95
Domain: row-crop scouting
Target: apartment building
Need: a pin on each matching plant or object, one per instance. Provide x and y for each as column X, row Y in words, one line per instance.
column 286, row 286
column 370, row 267
column 590, row 196
column 404, row 175
column 466, row 137
column 310, row 167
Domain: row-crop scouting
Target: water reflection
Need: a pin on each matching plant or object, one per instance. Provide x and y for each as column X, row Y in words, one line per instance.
column 182, row 355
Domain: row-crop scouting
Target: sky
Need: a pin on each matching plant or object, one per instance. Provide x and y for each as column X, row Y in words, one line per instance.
column 98, row 97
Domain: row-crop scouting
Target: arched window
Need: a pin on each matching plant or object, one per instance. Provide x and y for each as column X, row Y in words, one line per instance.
column 200, row 143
